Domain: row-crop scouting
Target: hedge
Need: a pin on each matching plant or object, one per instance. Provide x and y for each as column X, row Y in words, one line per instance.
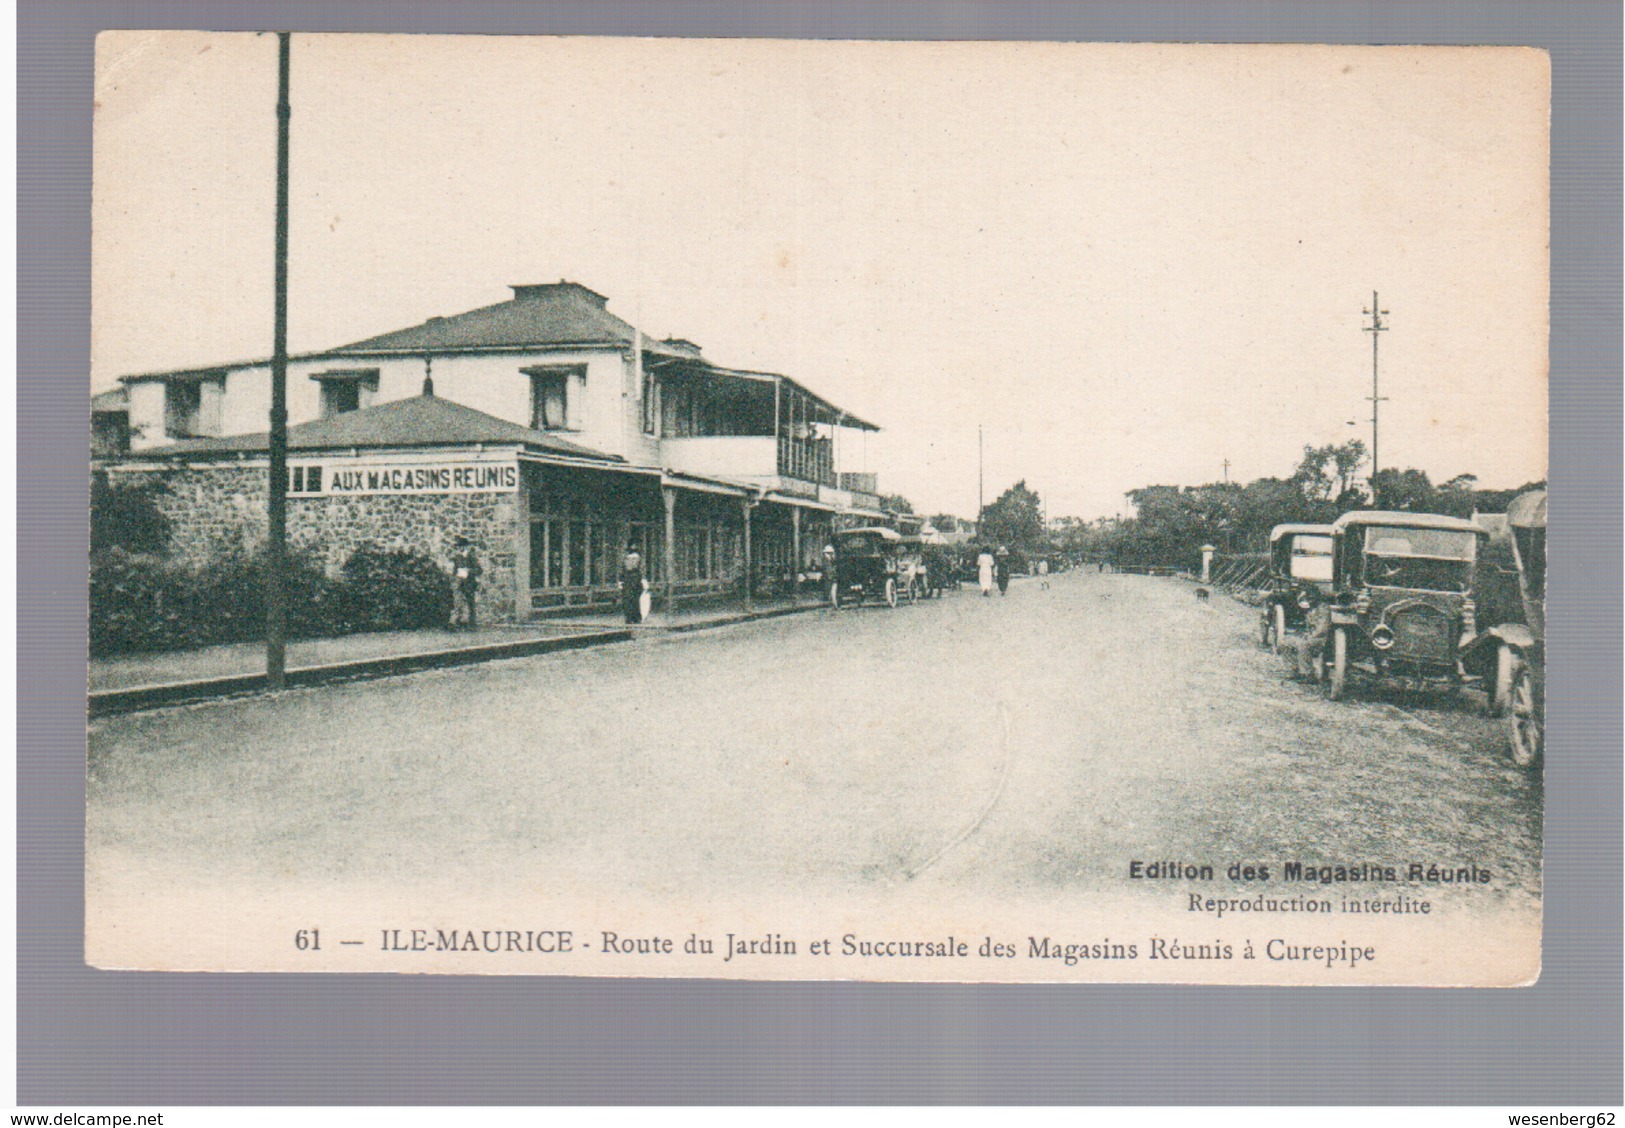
column 140, row 602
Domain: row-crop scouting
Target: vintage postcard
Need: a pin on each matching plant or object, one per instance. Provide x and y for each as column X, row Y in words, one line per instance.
column 818, row 510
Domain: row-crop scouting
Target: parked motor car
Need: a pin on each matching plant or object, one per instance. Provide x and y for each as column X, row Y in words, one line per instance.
column 865, row 565
column 1401, row 603
column 913, row 571
column 1512, row 654
column 1300, row 577
column 1526, row 693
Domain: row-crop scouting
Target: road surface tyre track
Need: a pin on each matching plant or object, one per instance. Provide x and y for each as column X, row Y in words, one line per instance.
column 981, row 817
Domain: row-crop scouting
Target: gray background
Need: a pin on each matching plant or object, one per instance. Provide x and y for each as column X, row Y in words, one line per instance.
column 89, row 1037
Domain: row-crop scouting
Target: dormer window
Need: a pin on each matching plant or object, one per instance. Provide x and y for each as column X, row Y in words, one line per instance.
column 347, row 390
column 550, row 397
column 192, row 406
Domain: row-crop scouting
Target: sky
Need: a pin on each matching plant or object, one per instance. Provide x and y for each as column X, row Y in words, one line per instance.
column 1124, row 265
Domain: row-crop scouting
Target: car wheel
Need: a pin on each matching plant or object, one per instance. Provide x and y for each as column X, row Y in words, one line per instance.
column 1335, row 681
column 1279, row 624
column 1526, row 728
column 1501, row 687
column 891, row 591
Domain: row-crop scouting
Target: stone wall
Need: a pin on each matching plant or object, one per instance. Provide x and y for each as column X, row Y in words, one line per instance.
column 217, row 510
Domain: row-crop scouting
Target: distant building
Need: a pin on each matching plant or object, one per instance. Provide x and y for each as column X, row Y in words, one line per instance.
column 954, row 530
column 109, row 425
column 544, row 428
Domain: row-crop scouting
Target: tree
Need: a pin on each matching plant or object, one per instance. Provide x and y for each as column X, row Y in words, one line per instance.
column 1265, row 503
column 896, row 503
column 1172, row 524
column 1015, row 520
column 1496, row 501
column 1405, row 489
column 1325, row 477
column 127, row 517
column 1458, row 497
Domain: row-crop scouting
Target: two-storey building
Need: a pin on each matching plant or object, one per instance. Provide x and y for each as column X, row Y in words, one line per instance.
column 546, row 429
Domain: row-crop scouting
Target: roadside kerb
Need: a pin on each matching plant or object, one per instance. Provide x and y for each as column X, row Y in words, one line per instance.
column 104, row 702
column 744, row 617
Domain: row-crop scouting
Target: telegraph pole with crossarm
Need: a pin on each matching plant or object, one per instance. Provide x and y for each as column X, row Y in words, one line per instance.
column 1376, row 313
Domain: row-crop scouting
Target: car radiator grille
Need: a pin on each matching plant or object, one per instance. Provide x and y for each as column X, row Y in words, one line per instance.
column 1420, row 633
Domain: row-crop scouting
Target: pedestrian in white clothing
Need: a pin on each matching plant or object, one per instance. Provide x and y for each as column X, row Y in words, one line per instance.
column 984, row 571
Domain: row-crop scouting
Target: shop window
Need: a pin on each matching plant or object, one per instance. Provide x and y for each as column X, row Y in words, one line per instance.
column 192, row 408
column 343, row 392
column 550, row 396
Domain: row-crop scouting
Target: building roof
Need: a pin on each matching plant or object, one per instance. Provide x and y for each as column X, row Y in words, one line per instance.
column 111, row 402
column 547, row 315
column 423, row 421
column 714, row 371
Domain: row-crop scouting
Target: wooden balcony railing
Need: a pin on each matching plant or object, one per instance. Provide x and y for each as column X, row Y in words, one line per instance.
column 808, row 460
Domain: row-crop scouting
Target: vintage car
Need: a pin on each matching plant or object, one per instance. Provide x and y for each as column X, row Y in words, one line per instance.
column 867, row 564
column 1512, row 654
column 1300, row 577
column 923, row 566
column 1526, row 691
column 913, row 569
column 1401, row 603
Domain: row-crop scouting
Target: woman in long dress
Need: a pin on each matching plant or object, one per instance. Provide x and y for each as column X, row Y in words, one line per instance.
column 984, row 572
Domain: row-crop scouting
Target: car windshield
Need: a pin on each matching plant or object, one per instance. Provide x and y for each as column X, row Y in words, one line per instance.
column 1312, row 558
column 1441, row 544
column 1422, row 559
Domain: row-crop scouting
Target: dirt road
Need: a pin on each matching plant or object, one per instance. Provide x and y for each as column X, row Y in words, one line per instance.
column 1037, row 742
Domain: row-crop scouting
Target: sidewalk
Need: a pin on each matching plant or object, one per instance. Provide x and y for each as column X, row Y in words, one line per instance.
column 148, row 680
column 692, row 617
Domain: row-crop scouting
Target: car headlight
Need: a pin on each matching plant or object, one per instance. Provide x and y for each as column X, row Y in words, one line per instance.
column 1382, row 638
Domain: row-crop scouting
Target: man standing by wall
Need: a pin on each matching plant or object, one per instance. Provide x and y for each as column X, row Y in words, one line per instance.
column 465, row 579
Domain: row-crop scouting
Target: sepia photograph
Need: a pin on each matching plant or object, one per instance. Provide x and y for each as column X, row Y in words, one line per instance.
column 815, row 510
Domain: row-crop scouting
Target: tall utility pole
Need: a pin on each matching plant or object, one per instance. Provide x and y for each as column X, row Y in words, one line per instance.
column 1376, row 313
column 1227, row 471
column 979, row 503
column 276, row 595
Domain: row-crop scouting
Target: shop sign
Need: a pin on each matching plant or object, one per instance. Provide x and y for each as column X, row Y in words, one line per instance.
column 347, row 477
